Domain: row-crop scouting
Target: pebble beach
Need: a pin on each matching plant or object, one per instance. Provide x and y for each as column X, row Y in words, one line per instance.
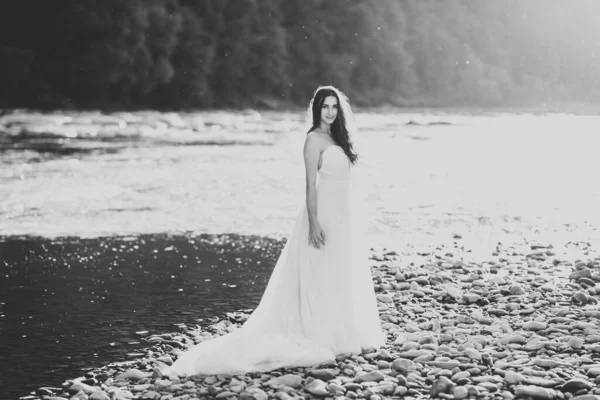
column 522, row 322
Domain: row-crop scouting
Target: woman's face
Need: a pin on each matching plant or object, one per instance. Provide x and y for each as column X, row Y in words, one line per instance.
column 329, row 110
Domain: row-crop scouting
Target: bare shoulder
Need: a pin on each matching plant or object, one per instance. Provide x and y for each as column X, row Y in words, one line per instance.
column 315, row 140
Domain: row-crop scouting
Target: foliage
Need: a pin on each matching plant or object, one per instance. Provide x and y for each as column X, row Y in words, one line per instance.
column 181, row 54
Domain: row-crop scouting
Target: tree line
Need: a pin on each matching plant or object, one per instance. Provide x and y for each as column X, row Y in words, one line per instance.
column 193, row 54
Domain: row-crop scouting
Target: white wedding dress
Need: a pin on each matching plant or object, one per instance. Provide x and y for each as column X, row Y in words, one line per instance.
column 318, row 302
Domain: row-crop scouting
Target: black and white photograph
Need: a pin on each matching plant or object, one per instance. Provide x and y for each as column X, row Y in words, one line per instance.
column 299, row 199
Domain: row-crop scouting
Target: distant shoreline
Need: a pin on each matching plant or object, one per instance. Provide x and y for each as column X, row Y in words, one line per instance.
column 573, row 108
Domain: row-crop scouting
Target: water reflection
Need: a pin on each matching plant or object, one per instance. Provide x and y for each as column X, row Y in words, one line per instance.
column 74, row 303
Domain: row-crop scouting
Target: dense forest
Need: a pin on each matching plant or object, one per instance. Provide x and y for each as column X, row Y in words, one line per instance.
column 186, row 54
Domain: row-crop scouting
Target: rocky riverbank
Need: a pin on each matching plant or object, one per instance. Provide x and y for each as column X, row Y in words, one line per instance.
column 521, row 323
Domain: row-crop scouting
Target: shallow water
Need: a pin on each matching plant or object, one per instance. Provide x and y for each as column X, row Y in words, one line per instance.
column 104, row 180
column 76, row 303
column 424, row 175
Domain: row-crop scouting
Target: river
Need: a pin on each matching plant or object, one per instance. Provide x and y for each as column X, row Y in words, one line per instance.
column 114, row 224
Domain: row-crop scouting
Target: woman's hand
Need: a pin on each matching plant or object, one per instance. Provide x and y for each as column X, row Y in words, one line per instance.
column 316, row 236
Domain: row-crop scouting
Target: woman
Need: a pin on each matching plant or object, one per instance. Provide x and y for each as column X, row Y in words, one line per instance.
column 319, row 301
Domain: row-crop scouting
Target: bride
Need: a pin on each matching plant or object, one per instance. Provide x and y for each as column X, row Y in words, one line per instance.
column 319, row 301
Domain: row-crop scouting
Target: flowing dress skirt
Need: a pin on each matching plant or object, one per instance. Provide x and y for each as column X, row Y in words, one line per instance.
column 318, row 302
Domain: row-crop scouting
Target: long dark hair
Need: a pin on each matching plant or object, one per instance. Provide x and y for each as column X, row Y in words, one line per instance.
column 341, row 126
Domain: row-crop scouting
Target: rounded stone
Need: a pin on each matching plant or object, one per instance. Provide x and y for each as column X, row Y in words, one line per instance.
column 403, row 365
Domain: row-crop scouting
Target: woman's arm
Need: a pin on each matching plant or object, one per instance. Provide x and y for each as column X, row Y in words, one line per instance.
column 312, row 151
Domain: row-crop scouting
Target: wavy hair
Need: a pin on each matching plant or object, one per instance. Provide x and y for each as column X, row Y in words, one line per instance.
column 342, row 126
